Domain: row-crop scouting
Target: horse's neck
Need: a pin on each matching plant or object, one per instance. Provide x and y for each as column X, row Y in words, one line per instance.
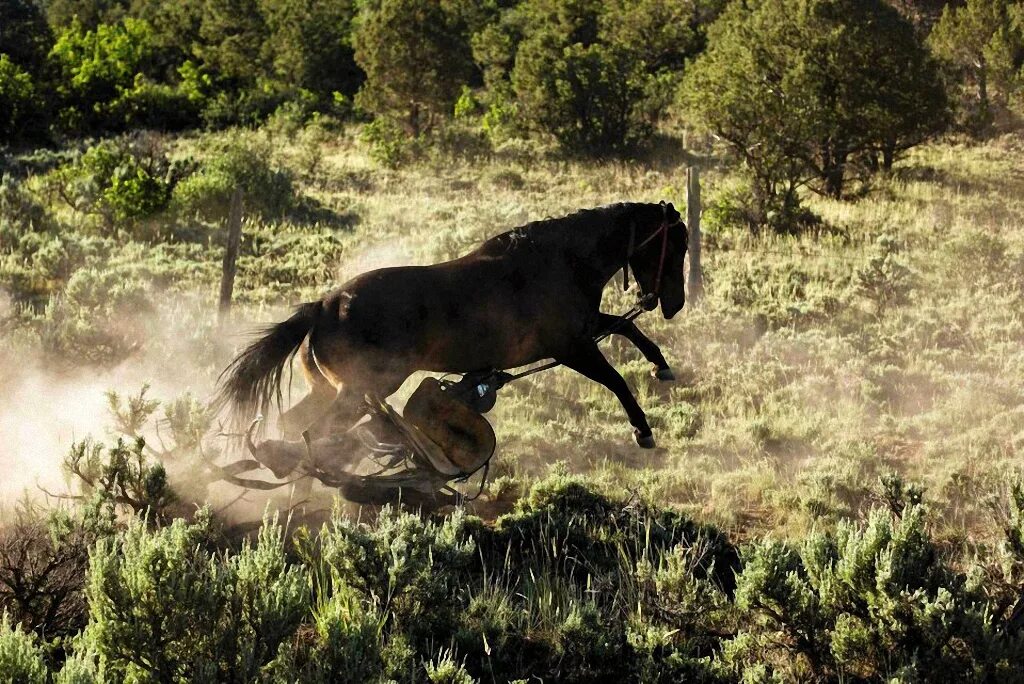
column 598, row 251
column 594, row 246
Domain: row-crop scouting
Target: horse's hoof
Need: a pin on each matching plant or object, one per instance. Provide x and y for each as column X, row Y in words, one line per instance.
column 645, row 441
column 664, row 374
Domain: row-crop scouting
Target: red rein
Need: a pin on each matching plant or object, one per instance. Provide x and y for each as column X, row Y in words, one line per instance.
column 663, row 231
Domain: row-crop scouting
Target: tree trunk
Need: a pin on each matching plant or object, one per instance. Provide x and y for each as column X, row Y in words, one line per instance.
column 888, row 156
column 765, row 202
column 834, row 170
column 983, row 104
column 414, row 120
column 871, row 160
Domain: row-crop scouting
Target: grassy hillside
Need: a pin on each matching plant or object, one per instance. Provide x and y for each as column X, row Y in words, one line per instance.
column 890, row 340
column 870, row 364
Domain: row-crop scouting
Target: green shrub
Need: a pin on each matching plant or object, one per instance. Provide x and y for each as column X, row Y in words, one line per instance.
column 19, row 104
column 389, row 146
column 866, row 602
column 81, row 320
column 20, row 213
column 123, row 476
column 312, row 140
column 122, row 181
column 505, row 179
column 79, row 669
column 163, row 605
column 348, row 641
column 501, row 120
column 289, row 119
column 589, row 525
column 572, row 587
column 97, row 68
column 743, row 206
column 36, row 264
column 444, row 669
column 407, row 568
column 154, row 105
column 242, row 162
column 268, row 600
column 885, row 280
column 21, row 660
column 683, row 420
column 155, row 602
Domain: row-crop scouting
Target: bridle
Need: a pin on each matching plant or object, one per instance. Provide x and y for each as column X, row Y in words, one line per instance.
column 634, row 248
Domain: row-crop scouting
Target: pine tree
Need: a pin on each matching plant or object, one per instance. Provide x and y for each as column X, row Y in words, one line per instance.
column 804, row 89
column 416, row 57
column 983, row 43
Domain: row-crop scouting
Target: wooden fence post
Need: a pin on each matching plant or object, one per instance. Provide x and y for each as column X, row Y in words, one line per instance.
column 695, row 278
column 227, row 279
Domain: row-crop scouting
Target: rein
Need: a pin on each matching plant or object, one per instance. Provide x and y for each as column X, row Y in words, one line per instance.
column 633, row 248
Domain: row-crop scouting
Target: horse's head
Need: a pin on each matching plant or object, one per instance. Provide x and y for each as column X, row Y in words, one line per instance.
column 659, row 247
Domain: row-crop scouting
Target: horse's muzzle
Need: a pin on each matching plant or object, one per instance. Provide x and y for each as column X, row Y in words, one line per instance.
column 670, row 311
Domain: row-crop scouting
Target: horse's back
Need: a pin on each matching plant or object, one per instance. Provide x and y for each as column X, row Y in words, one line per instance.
column 490, row 308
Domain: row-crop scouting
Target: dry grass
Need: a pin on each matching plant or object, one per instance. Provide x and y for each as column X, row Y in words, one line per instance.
column 797, row 388
column 799, row 383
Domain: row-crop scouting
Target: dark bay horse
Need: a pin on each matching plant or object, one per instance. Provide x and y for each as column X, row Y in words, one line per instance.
column 529, row 294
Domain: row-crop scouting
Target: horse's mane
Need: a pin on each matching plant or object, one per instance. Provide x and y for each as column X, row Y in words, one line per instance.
column 583, row 226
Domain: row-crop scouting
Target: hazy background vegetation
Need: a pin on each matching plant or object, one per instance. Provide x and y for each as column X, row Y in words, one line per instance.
column 833, row 497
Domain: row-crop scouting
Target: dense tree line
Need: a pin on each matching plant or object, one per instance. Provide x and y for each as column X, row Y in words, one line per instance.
column 99, row 66
column 806, row 93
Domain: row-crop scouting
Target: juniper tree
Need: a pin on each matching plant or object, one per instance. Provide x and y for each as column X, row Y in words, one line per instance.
column 309, row 45
column 24, row 35
column 18, row 99
column 801, row 89
column 596, row 76
column 983, row 43
column 416, row 56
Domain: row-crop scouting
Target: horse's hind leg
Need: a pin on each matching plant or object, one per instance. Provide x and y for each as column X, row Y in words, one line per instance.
column 348, row 404
column 661, row 370
column 315, row 404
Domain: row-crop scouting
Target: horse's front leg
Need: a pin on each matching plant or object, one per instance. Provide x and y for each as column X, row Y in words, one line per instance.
column 588, row 360
column 651, row 352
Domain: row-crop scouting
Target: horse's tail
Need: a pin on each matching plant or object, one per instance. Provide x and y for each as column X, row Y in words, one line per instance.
column 253, row 379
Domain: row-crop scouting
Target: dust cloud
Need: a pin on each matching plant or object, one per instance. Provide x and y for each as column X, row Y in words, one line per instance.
column 51, row 401
column 393, row 253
